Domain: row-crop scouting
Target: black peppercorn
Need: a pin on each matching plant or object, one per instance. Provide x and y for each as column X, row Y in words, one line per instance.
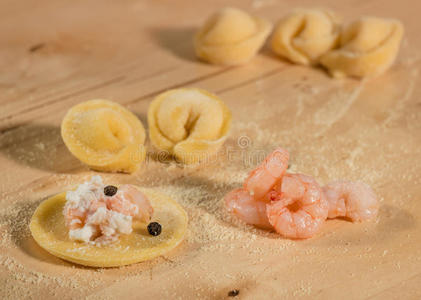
column 154, row 228
column 110, row 190
column 233, row 293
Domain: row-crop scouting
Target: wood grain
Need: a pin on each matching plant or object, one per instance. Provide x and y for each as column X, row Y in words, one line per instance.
column 54, row 54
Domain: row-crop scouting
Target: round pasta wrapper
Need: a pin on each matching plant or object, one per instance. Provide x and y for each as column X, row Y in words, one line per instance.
column 190, row 124
column 368, row 47
column 305, row 34
column 231, row 37
column 49, row 231
column 105, row 136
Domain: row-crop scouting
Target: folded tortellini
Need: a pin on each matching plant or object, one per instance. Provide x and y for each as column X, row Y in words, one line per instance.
column 304, row 35
column 368, row 47
column 105, row 136
column 191, row 124
column 231, row 37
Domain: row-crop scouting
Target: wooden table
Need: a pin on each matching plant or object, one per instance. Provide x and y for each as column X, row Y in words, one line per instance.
column 54, row 54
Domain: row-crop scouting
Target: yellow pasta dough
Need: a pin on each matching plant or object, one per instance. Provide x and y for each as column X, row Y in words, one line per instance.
column 304, row 35
column 231, row 37
column 190, row 124
column 368, row 47
column 105, row 136
column 49, row 231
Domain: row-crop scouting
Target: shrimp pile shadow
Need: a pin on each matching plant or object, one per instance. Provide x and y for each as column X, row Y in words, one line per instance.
column 391, row 221
column 394, row 220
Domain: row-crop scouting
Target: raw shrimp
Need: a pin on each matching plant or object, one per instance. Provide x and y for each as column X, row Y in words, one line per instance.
column 297, row 207
column 264, row 177
column 242, row 204
column 132, row 202
column 354, row 200
column 76, row 217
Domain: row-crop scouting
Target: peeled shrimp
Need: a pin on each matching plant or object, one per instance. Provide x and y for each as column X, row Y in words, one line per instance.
column 354, row 200
column 132, row 202
column 242, row 204
column 264, row 177
column 297, row 207
column 294, row 204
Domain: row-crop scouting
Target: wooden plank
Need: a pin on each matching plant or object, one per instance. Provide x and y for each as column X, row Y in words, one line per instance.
column 54, row 54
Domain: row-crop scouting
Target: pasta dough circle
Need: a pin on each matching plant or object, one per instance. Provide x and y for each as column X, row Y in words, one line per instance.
column 368, row 47
column 304, row 35
column 49, row 231
column 231, row 37
column 190, row 124
column 105, row 136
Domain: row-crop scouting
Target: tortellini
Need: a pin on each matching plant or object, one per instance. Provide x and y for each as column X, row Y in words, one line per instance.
column 231, row 37
column 304, row 35
column 190, row 124
column 105, row 136
column 49, row 231
column 368, row 47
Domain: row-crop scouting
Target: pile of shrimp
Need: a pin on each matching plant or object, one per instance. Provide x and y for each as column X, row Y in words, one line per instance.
column 92, row 216
column 295, row 205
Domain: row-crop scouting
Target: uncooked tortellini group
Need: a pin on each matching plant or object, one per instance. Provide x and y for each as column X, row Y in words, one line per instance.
column 190, row 124
column 364, row 48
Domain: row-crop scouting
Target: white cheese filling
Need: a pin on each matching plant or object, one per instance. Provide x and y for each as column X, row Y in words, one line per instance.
column 101, row 225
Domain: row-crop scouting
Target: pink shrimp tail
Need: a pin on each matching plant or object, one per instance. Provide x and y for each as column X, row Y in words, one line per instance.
column 351, row 199
column 263, row 178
